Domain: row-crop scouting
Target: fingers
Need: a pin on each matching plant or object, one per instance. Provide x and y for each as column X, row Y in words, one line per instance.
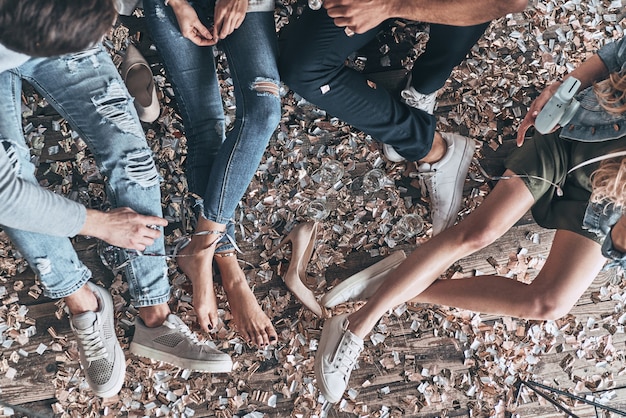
column 200, row 35
column 207, row 319
column 226, row 23
column 523, row 128
column 152, row 220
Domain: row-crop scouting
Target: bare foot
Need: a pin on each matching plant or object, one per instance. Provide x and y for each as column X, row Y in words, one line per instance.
column 248, row 317
column 196, row 262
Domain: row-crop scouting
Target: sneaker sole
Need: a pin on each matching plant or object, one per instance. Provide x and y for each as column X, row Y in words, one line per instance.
column 318, row 367
column 372, row 274
column 119, row 372
column 220, row 366
column 460, row 181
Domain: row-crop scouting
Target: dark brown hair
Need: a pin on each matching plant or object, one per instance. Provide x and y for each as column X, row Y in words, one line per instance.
column 54, row 27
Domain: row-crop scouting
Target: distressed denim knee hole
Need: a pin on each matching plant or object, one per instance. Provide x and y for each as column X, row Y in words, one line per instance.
column 142, row 169
column 115, row 106
column 266, row 86
column 12, row 155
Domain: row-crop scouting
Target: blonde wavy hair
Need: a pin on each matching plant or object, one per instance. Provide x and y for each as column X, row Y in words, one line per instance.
column 611, row 93
column 609, row 180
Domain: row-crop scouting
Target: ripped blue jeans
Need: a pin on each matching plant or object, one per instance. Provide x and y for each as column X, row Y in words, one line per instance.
column 219, row 166
column 87, row 90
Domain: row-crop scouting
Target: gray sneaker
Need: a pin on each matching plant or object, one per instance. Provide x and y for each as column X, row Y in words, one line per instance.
column 101, row 355
column 174, row 343
column 444, row 180
column 336, row 357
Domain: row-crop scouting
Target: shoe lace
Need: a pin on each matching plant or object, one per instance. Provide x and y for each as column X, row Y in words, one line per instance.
column 93, row 346
column 187, row 333
column 347, row 356
column 425, row 176
column 417, row 100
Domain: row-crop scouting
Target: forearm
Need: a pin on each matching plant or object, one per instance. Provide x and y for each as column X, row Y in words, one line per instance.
column 456, row 12
column 592, row 70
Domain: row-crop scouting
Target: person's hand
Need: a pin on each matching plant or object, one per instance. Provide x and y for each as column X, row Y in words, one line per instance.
column 228, row 16
column 123, row 227
column 190, row 25
column 358, row 16
column 533, row 111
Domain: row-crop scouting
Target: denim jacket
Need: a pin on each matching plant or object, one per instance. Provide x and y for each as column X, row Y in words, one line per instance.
column 600, row 219
column 592, row 123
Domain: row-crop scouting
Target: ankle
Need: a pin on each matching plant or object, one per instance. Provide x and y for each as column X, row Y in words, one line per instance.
column 154, row 316
column 81, row 301
column 357, row 326
column 437, row 151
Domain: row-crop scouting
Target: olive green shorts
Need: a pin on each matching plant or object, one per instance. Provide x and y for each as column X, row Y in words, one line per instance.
column 550, row 157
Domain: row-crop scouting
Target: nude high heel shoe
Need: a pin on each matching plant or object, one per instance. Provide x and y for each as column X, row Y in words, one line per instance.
column 302, row 238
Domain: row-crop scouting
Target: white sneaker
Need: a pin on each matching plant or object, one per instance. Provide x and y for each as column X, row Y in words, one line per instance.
column 413, row 98
column 101, row 355
column 362, row 285
column 336, row 357
column 444, row 180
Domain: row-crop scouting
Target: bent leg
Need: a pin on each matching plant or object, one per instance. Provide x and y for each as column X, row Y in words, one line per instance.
column 573, row 263
column 312, row 63
column 87, row 90
column 255, row 77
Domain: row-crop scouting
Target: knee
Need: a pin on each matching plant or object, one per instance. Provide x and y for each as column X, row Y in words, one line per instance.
column 545, row 306
column 268, row 112
column 302, row 74
column 475, row 239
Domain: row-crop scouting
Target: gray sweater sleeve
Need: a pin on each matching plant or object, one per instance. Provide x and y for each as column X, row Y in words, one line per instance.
column 30, row 207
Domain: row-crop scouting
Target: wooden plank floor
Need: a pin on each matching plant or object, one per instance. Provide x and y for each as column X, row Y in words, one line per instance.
column 32, row 388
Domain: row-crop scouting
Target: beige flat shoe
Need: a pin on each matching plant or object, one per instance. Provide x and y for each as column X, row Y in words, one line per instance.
column 138, row 78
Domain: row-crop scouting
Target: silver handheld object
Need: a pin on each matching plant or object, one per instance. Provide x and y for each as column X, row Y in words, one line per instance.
column 316, row 4
column 560, row 108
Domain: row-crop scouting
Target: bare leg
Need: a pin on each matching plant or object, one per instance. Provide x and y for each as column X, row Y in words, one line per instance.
column 437, row 151
column 573, row 263
column 197, row 264
column 248, row 317
column 504, row 206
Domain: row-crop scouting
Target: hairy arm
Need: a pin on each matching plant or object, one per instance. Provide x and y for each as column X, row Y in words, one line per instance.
column 363, row 15
column 457, row 12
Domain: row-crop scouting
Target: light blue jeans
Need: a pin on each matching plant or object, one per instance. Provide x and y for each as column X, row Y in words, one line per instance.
column 219, row 165
column 87, row 90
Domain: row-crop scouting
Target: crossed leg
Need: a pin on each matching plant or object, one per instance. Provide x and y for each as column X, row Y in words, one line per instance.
column 573, row 263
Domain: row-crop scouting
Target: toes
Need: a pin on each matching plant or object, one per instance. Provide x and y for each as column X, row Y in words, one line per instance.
column 213, row 319
column 273, row 336
column 262, row 339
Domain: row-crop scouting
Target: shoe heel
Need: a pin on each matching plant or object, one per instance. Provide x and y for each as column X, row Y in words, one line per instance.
column 302, row 239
